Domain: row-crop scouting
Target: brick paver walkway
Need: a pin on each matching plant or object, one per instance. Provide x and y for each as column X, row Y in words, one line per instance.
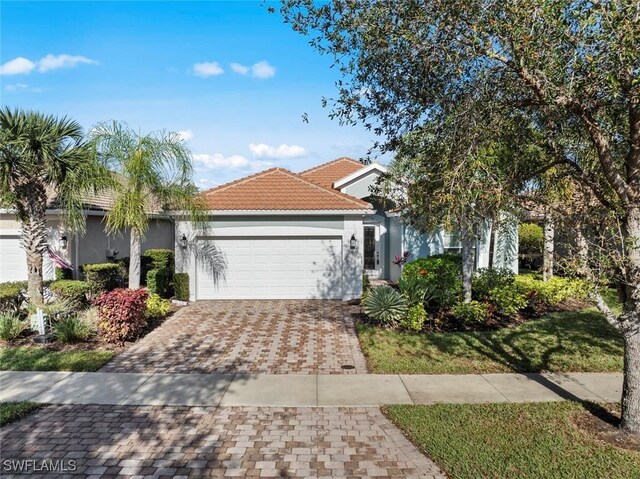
column 279, row 337
column 162, row 441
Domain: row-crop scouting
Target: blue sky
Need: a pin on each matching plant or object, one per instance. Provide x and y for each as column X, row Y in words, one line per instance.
column 234, row 78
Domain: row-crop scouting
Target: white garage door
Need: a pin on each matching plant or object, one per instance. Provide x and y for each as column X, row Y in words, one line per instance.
column 272, row 268
column 13, row 261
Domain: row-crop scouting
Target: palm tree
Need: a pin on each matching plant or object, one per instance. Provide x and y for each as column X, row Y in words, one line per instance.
column 44, row 159
column 156, row 173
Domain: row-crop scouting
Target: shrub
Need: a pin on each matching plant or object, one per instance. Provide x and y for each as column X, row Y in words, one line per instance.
column 508, row 300
column 12, row 296
column 72, row 330
column 415, row 290
column 530, row 243
column 474, row 312
column 442, row 275
column 553, row 291
column 63, row 273
column 160, row 258
column 159, row 282
column 54, row 310
column 11, row 327
column 415, row 318
column 366, row 283
column 156, row 307
column 488, row 279
column 121, row 314
column 75, row 292
column 181, row 286
column 123, row 270
column 385, row 306
column 102, row 276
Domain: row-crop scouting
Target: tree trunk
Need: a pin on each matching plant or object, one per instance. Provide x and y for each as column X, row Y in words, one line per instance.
column 547, row 256
column 582, row 251
column 631, row 324
column 467, row 239
column 34, row 241
column 134, row 259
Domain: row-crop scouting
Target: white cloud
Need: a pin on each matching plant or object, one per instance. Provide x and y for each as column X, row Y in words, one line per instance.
column 16, row 86
column 17, row 66
column 219, row 161
column 23, row 66
column 263, row 70
column 185, row 135
column 206, row 183
column 262, row 150
column 241, row 69
column 207, row 69
column 54, row 62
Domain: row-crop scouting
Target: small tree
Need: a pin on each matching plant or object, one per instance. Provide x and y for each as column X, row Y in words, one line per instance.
column 155, row 174
column 44, row 159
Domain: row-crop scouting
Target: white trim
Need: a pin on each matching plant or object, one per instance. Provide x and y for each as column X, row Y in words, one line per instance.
column 358, row 174
column 280, row 212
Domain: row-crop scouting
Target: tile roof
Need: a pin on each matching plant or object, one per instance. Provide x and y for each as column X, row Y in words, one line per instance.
column 328, row 173
column 278, row 189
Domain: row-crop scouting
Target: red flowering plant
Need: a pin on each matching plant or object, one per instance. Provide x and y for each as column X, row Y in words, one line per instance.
column 400, row 260
column 121, row 314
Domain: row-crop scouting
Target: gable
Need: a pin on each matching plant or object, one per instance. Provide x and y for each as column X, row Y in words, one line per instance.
column 359, row 183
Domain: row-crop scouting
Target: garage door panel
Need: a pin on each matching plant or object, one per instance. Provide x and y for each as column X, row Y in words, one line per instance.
column 264, row 268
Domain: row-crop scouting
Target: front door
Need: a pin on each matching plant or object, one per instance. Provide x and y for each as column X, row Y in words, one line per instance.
column 372, row 265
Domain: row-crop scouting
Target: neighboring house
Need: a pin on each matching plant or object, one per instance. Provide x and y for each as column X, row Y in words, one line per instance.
column 279, row 234
column 94, row 246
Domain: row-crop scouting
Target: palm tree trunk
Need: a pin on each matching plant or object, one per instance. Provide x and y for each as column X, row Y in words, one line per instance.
column 34, row 241
column 134, row 259
column 467, row 240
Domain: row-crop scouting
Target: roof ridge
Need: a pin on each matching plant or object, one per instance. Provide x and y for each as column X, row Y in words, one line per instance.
column 244, row 179
column 323, row 165
column 334, row 192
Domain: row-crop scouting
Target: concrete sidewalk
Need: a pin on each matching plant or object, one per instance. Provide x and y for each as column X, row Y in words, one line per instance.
column 303, row 390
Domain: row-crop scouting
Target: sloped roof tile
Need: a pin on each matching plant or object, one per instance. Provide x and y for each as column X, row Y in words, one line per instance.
column 278, row 189
column 328, row 173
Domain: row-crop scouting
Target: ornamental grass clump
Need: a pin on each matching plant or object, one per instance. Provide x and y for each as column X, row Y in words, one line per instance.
column 121, row 314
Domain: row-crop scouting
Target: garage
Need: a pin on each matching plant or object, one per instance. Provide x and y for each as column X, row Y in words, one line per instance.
column 271, row 268
column 14, row 261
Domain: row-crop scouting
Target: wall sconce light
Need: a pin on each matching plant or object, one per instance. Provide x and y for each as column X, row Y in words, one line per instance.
column 183, row 242
column 62, row 242
column 353, row 242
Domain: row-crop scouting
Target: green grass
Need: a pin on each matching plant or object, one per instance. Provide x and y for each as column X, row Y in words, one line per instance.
column 511, row 441
column 38, row 359
column 12, row 411
column 564, row 341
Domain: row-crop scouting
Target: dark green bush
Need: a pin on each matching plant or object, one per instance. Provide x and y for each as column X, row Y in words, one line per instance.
column 160, row 258
column 12, row 296
column 63, row 273
column 159, row 282
column 102, row 276
column 75, row 292
column 488, row 279
column 123, row 265
column 442, row 275
column 181, row 286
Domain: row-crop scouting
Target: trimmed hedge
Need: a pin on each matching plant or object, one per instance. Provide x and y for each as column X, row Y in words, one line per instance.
column 12, row 295
column 441, row 274
column 159, row 282
column 71, row 290
column 102, row 276
column 160, row 258
column 181, row 286
column 63, row 273
column 121, row 314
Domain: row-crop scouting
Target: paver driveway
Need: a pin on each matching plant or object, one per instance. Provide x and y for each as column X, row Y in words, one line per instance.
column 105, row 441
column 278, row 337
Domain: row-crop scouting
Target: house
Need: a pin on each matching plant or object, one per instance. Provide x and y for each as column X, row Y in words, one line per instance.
column 279, row 234
column 94, row 246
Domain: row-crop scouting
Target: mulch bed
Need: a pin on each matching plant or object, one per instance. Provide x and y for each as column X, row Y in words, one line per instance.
column 602, row 423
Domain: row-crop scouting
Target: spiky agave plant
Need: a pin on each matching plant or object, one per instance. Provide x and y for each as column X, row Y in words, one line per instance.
column 385, row 306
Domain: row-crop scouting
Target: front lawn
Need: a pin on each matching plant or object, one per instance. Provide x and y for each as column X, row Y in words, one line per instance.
column 12, row 411
column 41, row 359
column 561, row 341
column 512, row 441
